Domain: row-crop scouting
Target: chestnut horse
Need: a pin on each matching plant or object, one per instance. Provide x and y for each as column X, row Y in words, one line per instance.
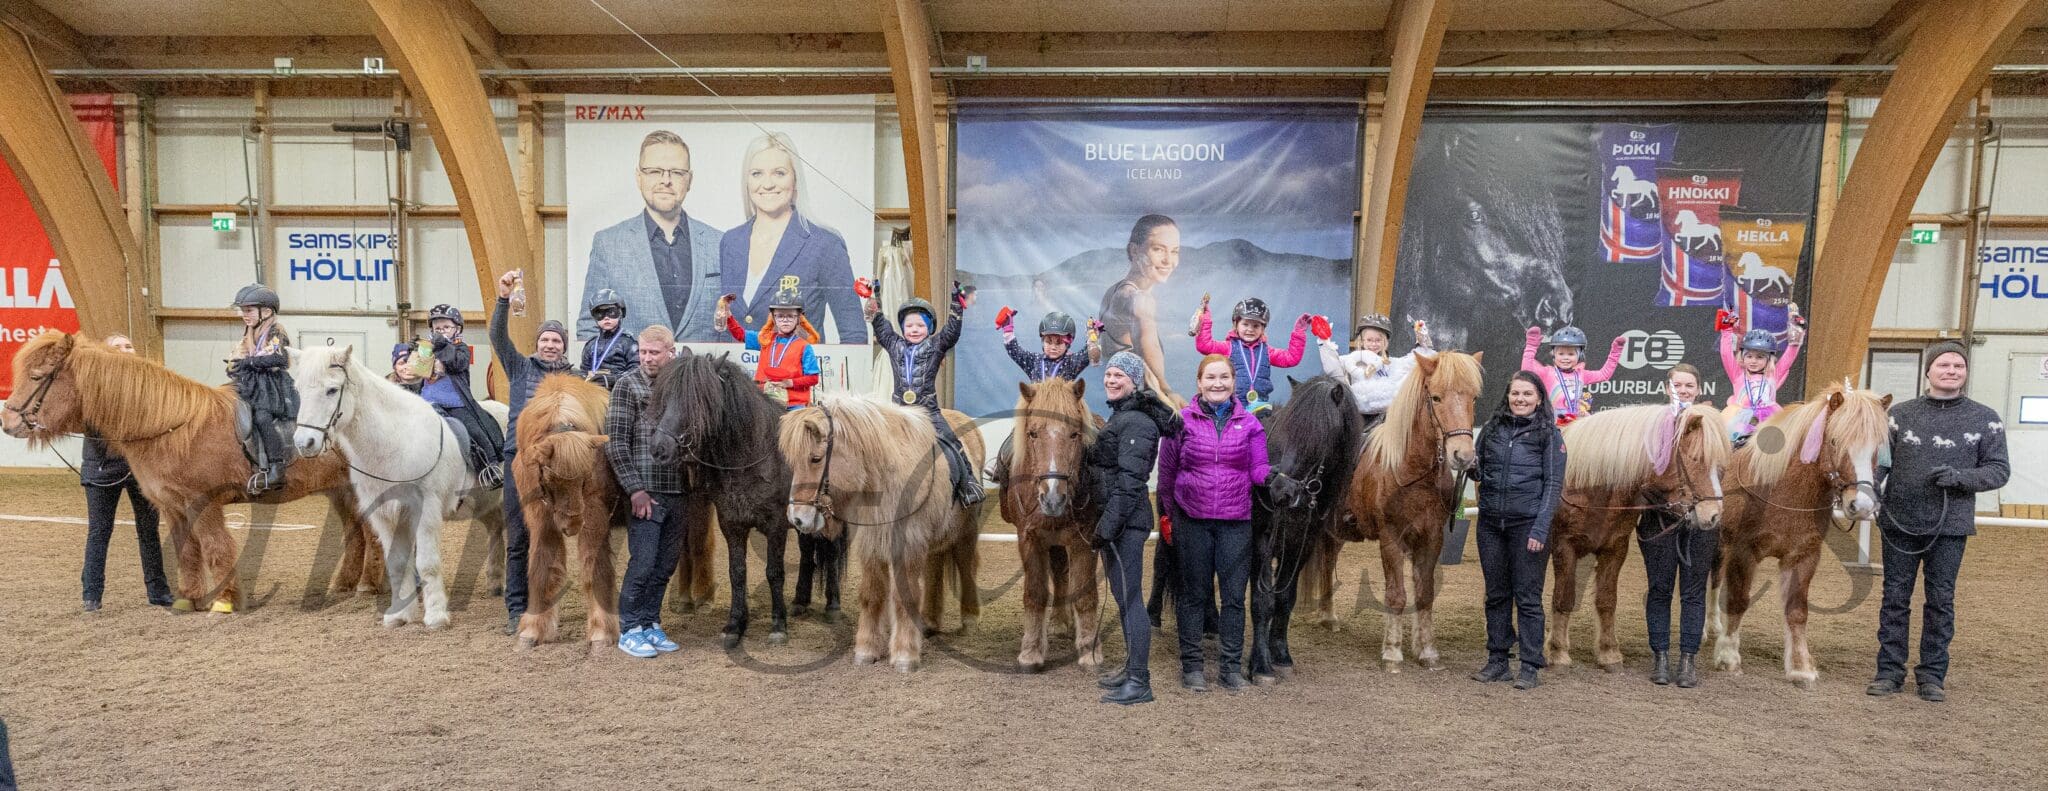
column 1314, row 439
column 1623, row 462
column 179, row 438
column 1802, row 464
column 862, row 462
column 1051, row 500
column 566, row 489
column 1405, row 487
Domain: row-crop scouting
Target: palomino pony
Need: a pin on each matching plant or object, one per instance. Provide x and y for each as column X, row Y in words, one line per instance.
column 408, row 474
column 179, row 438
column 1404, row 490
column 566, row 489
column 712, row 421
column 1623, row 462
column 863, row 462
column 1051, row 500
column 1783, row 487
column 1314, row 439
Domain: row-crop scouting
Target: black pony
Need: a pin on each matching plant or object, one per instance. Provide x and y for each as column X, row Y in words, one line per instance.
column 713, row 423
column 1314, row 439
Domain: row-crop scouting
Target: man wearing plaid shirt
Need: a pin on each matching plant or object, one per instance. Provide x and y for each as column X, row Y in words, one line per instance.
column 654, row 534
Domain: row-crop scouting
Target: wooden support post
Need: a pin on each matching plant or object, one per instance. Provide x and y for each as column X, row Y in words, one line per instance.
column 906, row 31
column 1946, row 61
column 1830, row 168
column 1418, row 30
column 1365, row 290
column 68, row 186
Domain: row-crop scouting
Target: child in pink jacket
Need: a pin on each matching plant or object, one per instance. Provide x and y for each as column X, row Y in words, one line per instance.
column 1566, row 378
column 1754, row 398
column 1252, row 360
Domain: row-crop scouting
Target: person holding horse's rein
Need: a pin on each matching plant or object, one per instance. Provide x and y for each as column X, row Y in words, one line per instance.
column 1756, row 374
column 1056, row 360
column 522, row 377
column 1565, row 379
column 914, row 358
column 1121, row 462
column 655, row 534
column 105, row 475
column 447, row 388
column 1372, row 376
column 1206, row 474
column 1521, row 480
column 787, row 367
column 261, row 371
column 1677, row 555
column 1945, row 450
column 613, row 351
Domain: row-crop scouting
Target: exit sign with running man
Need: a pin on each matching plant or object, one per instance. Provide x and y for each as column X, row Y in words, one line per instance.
column 1926, row 232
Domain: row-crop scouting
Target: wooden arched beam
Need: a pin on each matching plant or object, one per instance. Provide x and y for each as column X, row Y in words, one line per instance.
column 907, row 34
column 1416, row 28
column 1945, row 62
column 72, row 195
column 426, row 44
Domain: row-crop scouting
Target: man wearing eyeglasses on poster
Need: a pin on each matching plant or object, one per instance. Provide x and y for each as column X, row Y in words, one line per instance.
column 661, row 261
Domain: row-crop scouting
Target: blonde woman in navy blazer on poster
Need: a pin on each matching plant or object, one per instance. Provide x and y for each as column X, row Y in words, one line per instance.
column 778, row 240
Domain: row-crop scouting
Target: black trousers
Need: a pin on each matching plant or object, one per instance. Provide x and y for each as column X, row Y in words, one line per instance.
column 486, row 442
column 655, row 544
column 101, row 504
column 1904, row 562
column 1214, row 557
column 964, row 476
column 515, row 543
column 1166, row 585
column 1677, row 557
column 1123, row 562
column 1514, row 588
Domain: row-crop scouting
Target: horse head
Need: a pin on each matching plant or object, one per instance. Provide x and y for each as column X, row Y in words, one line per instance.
column 45, row 402
column 811, row 442
column 321, row 374
column 1852, row 432
column 1054, row 428
column 1453, row 387
column 1699, row 454
column 1312, row 440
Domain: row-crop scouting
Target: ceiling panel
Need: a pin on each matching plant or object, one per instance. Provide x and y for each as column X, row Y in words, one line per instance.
column 562, row 17
column 1776, row 14
column 213, row 17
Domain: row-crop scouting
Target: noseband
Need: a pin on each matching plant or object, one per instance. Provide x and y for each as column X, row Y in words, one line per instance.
column 821, row 497
column 33, row 407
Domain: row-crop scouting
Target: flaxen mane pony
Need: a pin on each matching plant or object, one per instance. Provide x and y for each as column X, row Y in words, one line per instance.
column 1051, row 500
column 566, row 490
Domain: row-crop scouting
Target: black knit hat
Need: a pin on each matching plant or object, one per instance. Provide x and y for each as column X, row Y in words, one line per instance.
column 1935, row 352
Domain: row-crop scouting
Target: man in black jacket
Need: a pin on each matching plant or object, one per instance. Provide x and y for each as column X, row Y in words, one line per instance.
column 1945, row 449
column 105, row 475
column 522, row 375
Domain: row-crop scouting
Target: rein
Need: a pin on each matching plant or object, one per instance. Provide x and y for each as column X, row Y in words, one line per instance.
column 326, row 432
column 1684, row 506
column 821, row 498
column 1835, row 480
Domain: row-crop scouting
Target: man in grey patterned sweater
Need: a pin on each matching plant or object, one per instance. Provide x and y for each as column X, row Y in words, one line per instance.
column 1945, row 449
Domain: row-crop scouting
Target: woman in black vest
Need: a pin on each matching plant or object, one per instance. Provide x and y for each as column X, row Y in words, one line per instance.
column 105, row 475
column 1521, row 479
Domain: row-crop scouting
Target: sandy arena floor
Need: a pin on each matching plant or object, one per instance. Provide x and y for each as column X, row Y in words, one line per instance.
column 304, row 691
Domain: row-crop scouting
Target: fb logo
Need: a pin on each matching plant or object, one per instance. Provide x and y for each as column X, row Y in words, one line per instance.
column 1662, row 350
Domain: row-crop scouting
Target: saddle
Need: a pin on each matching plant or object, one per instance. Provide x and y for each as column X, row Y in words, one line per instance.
column 252, row 443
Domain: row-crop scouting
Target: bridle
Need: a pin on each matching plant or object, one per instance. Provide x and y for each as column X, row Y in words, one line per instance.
column 326, row 431
column 1683, row 506
column 1443, row 437
column 1837, row 483
column 32, row 409
column 821, row 497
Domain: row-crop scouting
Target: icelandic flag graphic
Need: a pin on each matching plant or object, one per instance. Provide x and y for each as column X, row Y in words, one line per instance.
column 1631, row 230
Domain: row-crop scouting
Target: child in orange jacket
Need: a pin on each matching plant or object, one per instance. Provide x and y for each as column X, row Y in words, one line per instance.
column 788, row 367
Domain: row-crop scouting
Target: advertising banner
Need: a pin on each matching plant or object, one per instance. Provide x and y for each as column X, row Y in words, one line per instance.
column 1763, row 256
column 33, row 293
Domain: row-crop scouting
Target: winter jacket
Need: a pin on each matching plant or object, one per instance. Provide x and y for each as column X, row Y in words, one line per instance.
column 789, row 360
column 609, row 356
column 1371, row 392
column 1929, row 434
column 262, row 375
column 1253, row 363
column 1120, row 462
column 1580, row 381
column 451, row 372
column 522, row 372
column 924, row 358
column 1207, row 472
column 1039, row 369
column 100, row 465
column 1521, row 472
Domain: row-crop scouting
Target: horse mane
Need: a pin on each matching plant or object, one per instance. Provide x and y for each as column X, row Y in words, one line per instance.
column 1859, row 425
column 1312, row 417
column 1056, row 399
column 132, row 398
column 883, row 435
column 1608, row 448
column 721, row 406
column 1455, row 372
column 561, row 400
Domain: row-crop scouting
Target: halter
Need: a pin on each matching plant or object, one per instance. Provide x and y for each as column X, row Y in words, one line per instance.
column 1839, row 484
column 821, row 497
column 1683, row 506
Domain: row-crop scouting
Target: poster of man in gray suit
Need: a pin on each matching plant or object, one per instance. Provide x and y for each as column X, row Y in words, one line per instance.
column 661, row 261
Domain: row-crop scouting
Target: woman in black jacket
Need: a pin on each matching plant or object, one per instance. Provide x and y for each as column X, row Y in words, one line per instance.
column 105, row 475
column 1120, row 463
column 1521, row 478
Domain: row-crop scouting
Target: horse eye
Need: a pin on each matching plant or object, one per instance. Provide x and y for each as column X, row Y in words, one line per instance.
column 1436, row 399
column 817, row 459
column 1073, row 435
column 333, row 390
column 1034, row 433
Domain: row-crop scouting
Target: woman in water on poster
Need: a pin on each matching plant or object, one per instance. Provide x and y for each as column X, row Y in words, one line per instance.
column 1129, row 315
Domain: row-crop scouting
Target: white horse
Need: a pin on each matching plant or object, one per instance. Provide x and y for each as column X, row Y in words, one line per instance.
column 1632, row 192
column 1693, row 234
column 1752, row 267
column 408, row 473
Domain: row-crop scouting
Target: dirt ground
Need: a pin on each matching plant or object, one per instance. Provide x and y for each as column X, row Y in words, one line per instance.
column 302, row 690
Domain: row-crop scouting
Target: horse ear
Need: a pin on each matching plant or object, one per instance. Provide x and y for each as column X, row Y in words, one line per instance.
column 1337, row 396
column 1834, row 400
column 1027, row 390
column 1292, row 382
column 345, row 352
column 1080, row 387
column 1886, row 402
column 1478, row 357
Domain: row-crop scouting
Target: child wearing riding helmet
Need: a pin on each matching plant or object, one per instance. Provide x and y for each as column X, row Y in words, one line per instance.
column 914, row 358
column 788, row 367
column 1251, row 358
column 1371, row 375
column 1055, row 360
column 403, row 373
column 447, row 388
column 613, row 351
column 1753, row 373
column 1565, row 379
column 261, row 370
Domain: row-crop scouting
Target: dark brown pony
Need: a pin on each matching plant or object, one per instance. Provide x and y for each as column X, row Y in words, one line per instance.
column 566, row 489
column 1402, row 493
column 1804, row 463
column 1623, row 462
column 179, row 438
column 1051, row 500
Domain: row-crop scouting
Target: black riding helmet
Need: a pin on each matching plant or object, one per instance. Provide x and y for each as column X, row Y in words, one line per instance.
column 1374, row 321
column 257, row 295
column 606, row 299
column 1056, row 323
column 787, row 298
column 445, row 311
column 1251, row 308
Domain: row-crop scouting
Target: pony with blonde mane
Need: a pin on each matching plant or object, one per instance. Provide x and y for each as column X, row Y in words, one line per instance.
column 1405, row 487
column 180, row 440
column 566, row 490
column 1051, row 499
column 1623, row 462
column 863, row 462
column 1804, row 463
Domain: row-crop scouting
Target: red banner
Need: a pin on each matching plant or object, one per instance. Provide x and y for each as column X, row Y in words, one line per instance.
column 33, row 294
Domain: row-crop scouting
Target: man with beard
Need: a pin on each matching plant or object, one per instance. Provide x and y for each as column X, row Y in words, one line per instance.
column 661, row 260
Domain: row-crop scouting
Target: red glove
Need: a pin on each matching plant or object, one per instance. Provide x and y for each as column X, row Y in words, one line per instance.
column 1565, row 420
column 1725, row 321
column 1320, row 325
column 1166, row 528
column 867, row 286
column 1003, row 317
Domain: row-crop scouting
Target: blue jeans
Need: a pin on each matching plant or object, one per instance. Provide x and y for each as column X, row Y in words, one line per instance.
column 1123, row 562
column 101, row 503
column 654, row 544
column 1214, row 555
column 1514, row 588
column 515, row 544
column 1683, row 556
column 1940, row 562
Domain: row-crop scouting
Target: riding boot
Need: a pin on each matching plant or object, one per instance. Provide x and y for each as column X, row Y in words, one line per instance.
column 1660, row 667
column 967, row 489
column 1135, row 689
column 1114, row 680
column 1688, row 673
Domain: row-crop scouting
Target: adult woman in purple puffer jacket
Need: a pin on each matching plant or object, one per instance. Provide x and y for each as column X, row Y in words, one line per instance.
column 1206, row 475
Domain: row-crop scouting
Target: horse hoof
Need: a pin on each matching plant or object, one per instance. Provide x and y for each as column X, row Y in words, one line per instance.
column 1391, row 666
column 393, row 621
column 181, row 605
column 1264, row 680
column 967, row 624
column 905, row 665
column 437, row 623
column 1611, row 667
column 1283, row 671
column 525, row 644
column 1329, row 624
column 799, row 610
column 778, row 637
column 830, row 615
column 1431, row 664
column 730, row 640
column 931, row 631
column 864, row 659
column 1031, row 667
column 600, row 649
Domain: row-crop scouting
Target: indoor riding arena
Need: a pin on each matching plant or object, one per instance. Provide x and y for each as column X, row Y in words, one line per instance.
column 511, row 394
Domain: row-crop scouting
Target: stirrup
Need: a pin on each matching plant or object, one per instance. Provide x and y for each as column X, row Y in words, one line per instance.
column 255, row 487
column 491, row 476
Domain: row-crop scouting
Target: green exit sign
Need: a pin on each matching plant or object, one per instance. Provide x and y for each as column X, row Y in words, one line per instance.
column 1926, row 233
column 224, row 221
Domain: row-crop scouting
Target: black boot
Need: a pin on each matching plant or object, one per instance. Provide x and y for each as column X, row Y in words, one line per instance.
column 1194, row 681
column 1688, row 673
column 1880, row 687
column 1114, row 680
column 1232, row 680
column 1135, row 690
column 1660, row 667
column 1496, row 669
column 1527, row 680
